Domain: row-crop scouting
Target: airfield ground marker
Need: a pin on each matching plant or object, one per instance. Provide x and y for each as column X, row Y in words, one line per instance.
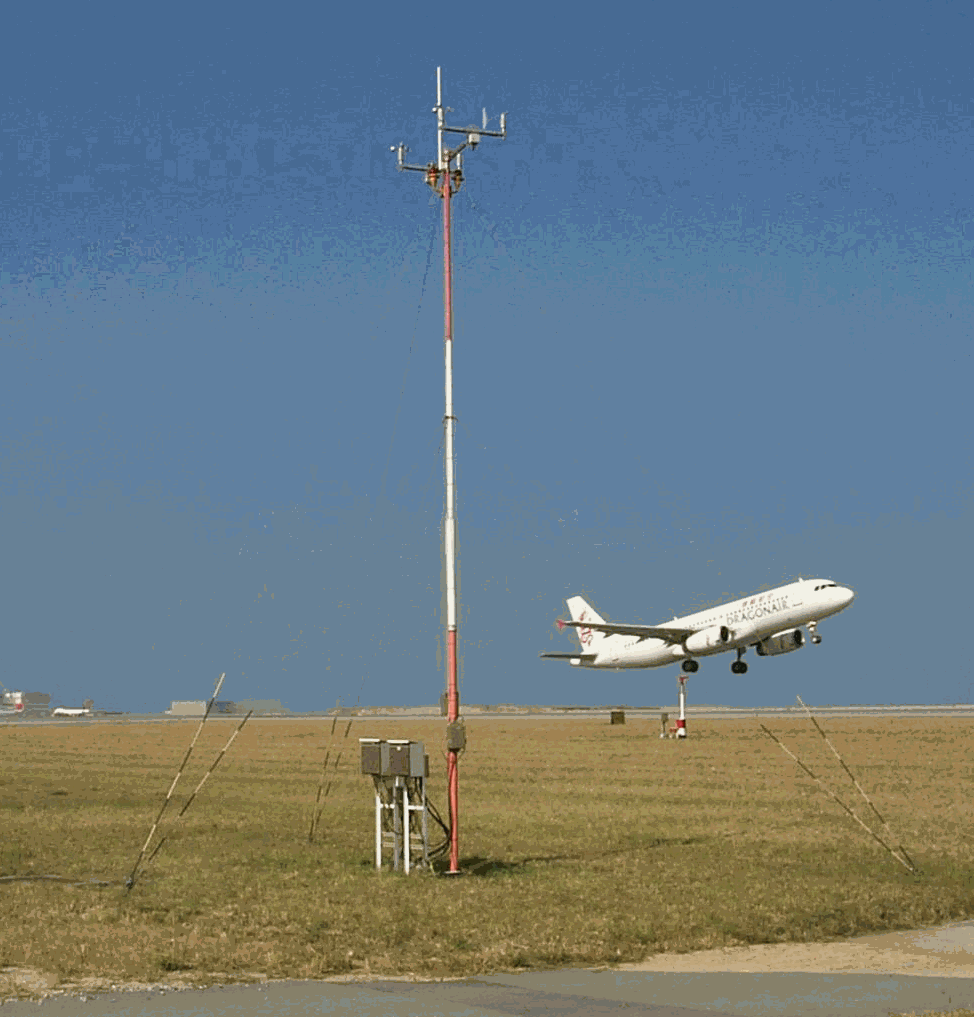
column 681, row 724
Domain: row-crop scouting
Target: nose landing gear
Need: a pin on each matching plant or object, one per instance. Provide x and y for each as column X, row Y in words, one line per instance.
column 813, row 632
column 739, row 666
column 690, row 666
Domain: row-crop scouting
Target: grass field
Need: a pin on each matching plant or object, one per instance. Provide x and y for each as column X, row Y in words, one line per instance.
column 582, row 843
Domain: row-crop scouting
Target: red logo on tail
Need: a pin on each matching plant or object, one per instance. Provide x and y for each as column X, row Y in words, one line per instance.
column 584, row 635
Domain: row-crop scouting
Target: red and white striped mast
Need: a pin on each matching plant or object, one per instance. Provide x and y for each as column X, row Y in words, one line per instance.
column 445, row 177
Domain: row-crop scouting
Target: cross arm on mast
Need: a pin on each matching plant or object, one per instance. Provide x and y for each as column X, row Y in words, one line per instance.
column 474, row 134
column 401, row 151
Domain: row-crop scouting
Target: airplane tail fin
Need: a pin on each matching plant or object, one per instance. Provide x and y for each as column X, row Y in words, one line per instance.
column 581, row 611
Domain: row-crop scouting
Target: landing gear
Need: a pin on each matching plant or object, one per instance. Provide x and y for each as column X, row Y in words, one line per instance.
column 690, row 666
column 739, row 666
column 813, row 632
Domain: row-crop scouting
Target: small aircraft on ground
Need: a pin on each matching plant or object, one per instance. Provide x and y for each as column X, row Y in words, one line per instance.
column 770, row 622
column 74, row 711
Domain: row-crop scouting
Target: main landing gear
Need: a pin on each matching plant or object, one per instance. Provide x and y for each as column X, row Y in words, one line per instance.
column 690, row 666
column 739, row 666
column 813, row 632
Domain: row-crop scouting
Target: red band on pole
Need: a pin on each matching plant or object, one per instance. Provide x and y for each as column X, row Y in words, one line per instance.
column 452, row 692
column 452, row 770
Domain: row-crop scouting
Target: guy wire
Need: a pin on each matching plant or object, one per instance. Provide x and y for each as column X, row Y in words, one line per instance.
column 412, row 342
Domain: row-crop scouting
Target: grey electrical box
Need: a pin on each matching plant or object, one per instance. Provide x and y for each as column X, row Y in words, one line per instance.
column 394, row 758
column 375, row 756
column 456, row 736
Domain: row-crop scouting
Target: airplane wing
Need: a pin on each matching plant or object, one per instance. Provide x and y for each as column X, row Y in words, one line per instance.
column 671, row 633
column 569, row 656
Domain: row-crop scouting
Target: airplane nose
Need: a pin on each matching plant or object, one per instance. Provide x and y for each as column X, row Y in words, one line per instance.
column 848, row 596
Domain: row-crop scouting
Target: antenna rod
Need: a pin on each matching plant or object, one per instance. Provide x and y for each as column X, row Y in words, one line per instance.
column 445, row 178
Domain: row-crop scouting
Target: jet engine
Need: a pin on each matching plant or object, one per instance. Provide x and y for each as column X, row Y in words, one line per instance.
column 782, row 642
column 708, row 639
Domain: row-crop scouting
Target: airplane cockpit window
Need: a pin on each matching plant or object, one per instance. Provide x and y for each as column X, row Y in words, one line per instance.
column 827, row 586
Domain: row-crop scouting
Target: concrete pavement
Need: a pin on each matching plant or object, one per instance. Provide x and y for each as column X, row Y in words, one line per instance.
column 871, row 976
column 539, row 994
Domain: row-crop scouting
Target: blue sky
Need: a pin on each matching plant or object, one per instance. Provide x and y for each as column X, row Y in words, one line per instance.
column 713, row 302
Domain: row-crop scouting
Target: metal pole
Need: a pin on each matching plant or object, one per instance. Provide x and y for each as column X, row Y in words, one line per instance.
column 396, row 827
column 199, row 787
column 378, row 828
column 836, row 798
column 449, row 532
column 130, row 882
column 405, row 816
column 681, row 724
column 440, row 120
column 426, row 834
column 442, row 178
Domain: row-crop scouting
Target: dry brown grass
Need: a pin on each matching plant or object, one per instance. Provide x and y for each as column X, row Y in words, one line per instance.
column 936, row 1013
column 582, row 843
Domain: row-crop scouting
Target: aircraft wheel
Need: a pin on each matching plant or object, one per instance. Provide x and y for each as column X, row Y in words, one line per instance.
column 739, row 667
column 816, row 639
column 690, row 666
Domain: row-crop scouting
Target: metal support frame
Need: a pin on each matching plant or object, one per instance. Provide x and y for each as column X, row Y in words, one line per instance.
column 399, row 768
column 395, row 799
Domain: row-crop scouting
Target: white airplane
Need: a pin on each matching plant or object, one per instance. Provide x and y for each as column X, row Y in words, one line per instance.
column 767, row 621
column 74, row 711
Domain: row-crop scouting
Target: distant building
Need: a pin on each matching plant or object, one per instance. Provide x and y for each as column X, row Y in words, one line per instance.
column 23, row 702
column 187, row 708
column 262, row 707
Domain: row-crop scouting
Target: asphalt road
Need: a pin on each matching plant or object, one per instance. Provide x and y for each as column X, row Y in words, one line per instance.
column 473, row 713
column 862, row 977
column 549, row 994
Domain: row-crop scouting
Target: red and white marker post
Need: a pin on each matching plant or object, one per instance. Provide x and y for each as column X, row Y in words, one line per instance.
column 681, row 724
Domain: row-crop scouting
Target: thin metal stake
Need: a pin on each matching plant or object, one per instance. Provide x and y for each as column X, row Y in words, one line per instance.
column 130, row 882
column 835, row 752
column 189, row 801
column 321, row 782
column 834, row 797
column 338, row 758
